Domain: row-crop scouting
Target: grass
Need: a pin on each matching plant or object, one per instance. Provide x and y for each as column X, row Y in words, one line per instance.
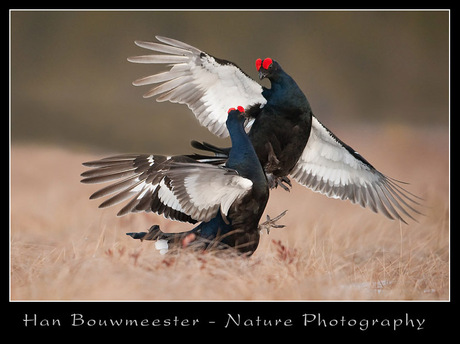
column 64, row 248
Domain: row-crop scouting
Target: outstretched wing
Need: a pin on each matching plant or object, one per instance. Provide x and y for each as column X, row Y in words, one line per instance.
column 179, row 187
column 207, row 85
column 331, row 167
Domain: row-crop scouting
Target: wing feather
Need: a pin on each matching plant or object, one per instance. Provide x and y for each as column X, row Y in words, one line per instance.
column 157, row 78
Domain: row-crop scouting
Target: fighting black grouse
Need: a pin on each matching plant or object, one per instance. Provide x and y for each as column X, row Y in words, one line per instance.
column 228, row 199
column 287, row 137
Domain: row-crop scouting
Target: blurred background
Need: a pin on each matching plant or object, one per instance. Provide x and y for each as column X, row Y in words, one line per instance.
column 71, row 82
column 378, row 79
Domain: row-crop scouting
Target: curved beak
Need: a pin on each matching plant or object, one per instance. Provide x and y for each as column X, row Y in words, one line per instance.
column 262, row 74
column 245, row 115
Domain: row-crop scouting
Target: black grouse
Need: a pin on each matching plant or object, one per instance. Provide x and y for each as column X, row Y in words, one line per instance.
column 229, row 199
column 287, row 137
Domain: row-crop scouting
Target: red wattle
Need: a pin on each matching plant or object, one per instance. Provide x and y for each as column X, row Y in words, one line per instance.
column 258, row 64
column 267, row 62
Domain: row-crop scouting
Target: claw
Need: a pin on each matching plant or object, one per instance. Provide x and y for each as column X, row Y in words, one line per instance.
column 279, row 181
column 286, row 180
column 274, row 182
column 153, row 234
column 271, row 223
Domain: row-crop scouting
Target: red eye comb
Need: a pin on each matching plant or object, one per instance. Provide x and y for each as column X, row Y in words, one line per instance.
column 267, row 62
column 258, row 64
column 239, row 108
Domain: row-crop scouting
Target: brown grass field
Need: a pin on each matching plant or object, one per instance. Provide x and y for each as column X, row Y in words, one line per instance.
column 64, row 248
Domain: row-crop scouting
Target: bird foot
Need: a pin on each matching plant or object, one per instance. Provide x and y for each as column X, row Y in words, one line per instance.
column 271, row 223
column 274, row 182
column 281, row 181
column 154, row 233
column 164, row 239
column 188, row 239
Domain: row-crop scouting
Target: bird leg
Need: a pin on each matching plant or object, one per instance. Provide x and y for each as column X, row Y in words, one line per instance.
column 279, row 181
column 155, row 233
column 271, row 223
column 273, row 165
column 274, row 182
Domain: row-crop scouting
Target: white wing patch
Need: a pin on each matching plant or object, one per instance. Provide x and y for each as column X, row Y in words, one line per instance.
column 202, row 190
column 167, row 197
column 326, row 161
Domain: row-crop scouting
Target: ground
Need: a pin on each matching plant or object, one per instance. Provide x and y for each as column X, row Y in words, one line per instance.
column 64, row 248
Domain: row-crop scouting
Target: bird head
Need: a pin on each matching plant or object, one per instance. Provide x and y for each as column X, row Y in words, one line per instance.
column 237, row 113
column 266, row 68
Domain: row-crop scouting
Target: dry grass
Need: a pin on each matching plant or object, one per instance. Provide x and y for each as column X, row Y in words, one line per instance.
column 64, row 248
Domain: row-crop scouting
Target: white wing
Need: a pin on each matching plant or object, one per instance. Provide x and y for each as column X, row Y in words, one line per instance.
column 207, row 85
column 331, row 167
